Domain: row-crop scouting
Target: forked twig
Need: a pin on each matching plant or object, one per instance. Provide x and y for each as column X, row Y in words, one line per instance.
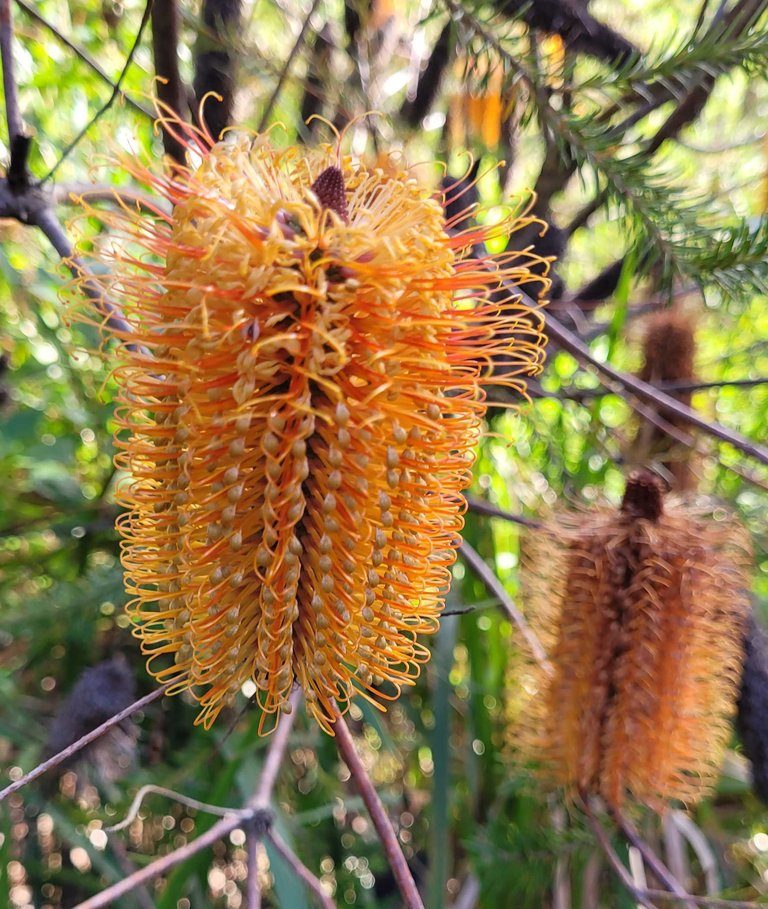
column 81, row 743
column 381, row 822
column 256, row 815
column 487, row 576
column 111, row 100
column 151, row 789
column 80, row 52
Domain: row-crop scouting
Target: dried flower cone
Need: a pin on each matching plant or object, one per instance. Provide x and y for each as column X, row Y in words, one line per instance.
column 668, row 352
column 642, row 613
column 300, row 399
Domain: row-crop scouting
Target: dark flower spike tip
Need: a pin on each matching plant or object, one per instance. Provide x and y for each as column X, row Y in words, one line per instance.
column 331, row 192
column 644, row 496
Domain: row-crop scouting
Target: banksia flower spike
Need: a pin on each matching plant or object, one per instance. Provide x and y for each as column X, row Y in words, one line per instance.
column 300, row 396
column 642, row 612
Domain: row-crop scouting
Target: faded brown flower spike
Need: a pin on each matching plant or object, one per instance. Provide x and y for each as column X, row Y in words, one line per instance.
column 299, row 404
column 642, row 611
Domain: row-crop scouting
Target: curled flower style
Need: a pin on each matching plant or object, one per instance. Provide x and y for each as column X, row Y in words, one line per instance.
column 642, row 612
column 300, row 396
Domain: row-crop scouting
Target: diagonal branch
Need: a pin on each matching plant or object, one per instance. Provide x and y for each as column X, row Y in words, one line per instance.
column 112, row 98
column 300, row 870
column 284, row 72
column 381, row 822
column 629, row 387
column 82, row 54
column 487, row 576
column 81, row 743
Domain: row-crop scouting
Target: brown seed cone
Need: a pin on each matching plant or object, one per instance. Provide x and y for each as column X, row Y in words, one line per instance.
column 642, row 613
column 668, row 350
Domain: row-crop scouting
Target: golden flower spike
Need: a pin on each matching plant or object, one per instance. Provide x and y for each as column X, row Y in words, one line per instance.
column 642, row 611
column 300, row 397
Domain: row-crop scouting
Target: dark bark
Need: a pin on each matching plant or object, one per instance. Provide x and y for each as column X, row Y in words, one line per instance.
column 216, row 62
column 170, row 89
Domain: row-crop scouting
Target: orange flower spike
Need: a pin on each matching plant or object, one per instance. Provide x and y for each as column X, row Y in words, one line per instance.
column 642, row 612
column 300, row 396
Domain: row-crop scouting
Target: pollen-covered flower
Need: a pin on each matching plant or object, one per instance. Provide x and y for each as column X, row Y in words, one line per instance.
column 642, row 612
column 300, row 396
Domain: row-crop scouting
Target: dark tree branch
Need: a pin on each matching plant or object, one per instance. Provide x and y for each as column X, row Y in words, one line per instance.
column 170, row 89
column 82, row 54
column 12, row 110
column 480, row 506
column 494, row 585
column 215, row 61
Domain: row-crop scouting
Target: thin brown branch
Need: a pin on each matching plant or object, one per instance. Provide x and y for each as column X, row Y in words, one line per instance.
column 12, row 110
column 480, row 506
column 274, row 760
column 644, row 895
column 487, row 576
column 81, row 743
column 112, row 98
column 170, row 89
column 83, row 55
column 254, row 817
column 615, row 862
column 284, row 72
column 382, row 824
column 300, row 870
column 656, row 865
column 631, row 388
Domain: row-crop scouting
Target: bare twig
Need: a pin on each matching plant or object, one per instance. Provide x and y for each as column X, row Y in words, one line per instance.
column 274, row 760
column 652, row 860
column 111, row 100
column 631, row 387
column 179, row 797
column 81, row 742
column 255, row 816
column 49, row 224
column 83, row 55
column 698, row 842
column 615, row 862
column 12, row 111
column 284, row 72
column 300, row 870
column 486, row 575
column 381, row 822
column 480, row 506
